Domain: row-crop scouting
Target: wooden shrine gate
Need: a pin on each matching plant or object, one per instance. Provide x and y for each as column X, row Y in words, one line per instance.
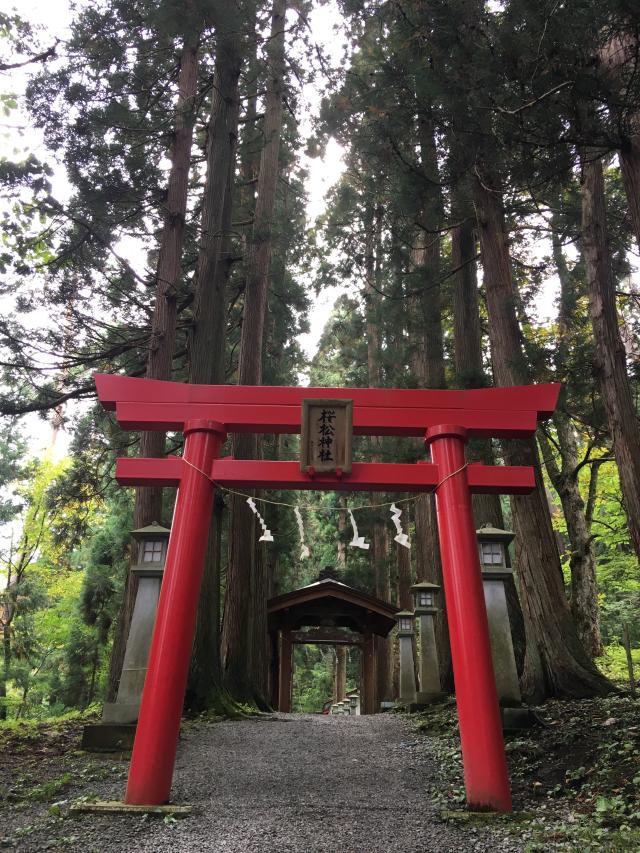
column 446, row 419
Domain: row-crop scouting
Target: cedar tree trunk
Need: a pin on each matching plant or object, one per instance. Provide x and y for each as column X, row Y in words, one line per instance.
column 208, row 332
column 148, row 501
column 243, row 613
column 380, row 550
column 428, row 366
column 615, row 388
column 556, row 663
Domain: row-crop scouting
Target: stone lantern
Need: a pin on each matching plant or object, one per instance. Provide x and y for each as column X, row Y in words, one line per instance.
column 493, row 547
column 354, row 703
column 151, row 543
column 405, row 623
column 425, row 597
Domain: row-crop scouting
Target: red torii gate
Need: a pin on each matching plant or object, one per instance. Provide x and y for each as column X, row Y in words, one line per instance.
column 206, row 413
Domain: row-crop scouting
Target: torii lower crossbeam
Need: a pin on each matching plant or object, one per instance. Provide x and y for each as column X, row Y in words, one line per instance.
column 364, row 477
column 445, row 418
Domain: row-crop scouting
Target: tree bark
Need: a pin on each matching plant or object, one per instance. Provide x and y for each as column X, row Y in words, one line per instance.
column 611, row 367
column 622, row 50
column 238, row 624
column 208, row 333
column 148, row 501
column 564, row 476
column 380, row 549
column 630, row 168
column 6, row 668
column 556, row 663
column 428, row 367
column 470, row 373
column 584, row 586
column 467, row 340
column 403, row 590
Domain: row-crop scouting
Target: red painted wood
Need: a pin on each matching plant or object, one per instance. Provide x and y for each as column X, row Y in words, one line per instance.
column 541, row 399
column 498, row 412
column 149, row 472
column 501, row 479
column 368, row 420
column 366, row 476
column 154, row 748
column 485, row 766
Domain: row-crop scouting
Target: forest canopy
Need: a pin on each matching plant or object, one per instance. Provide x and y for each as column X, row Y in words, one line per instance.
column 482, row 228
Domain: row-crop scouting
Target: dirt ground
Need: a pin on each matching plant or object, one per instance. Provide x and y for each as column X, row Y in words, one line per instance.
column 280, row 782
column 305, row 783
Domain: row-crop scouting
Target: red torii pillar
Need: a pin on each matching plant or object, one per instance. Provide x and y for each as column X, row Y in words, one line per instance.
column 156, row 740
column 503, row 412
column 486, row 776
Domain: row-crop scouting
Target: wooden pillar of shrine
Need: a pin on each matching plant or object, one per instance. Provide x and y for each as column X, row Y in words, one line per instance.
column 368, row 674
column 274, row 668
column 285, row 668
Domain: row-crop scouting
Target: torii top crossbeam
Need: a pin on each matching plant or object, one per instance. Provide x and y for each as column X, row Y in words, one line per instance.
column 150, row 404
column 446, row 419
column 147, row 404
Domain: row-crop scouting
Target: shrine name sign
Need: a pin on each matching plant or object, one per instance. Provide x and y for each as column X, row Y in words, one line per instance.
column 325, row 436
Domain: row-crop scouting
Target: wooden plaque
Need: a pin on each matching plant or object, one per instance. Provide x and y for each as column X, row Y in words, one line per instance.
column 325, row 439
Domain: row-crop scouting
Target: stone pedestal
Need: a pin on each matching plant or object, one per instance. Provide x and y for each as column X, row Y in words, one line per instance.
column 134, row 669
column 407, row 671
column 517, row 719
column 119, row 718
column 107, row 737
column 430, row 689
column 504, row 661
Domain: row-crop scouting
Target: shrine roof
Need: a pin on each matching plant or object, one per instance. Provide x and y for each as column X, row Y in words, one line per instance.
column 329, row 600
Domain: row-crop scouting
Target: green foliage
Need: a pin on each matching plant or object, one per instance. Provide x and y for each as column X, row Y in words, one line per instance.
column 48, row 790
column 313, row 668
column 613, row 664
column 313, row 676
column 60, row 597
column 12, row 452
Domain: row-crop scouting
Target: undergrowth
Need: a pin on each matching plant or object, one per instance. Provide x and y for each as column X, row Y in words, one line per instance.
column 575, row 777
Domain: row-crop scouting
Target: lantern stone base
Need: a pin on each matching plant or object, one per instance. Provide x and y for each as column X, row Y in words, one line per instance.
column 517, row 719
column 108, row 737
column 121, row 713
column 426, row 698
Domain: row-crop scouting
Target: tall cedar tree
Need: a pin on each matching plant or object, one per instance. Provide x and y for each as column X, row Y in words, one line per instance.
column 148, row 501
column 245, row 675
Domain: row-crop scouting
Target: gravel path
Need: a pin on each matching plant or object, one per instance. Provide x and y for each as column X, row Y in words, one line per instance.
column 287, row 783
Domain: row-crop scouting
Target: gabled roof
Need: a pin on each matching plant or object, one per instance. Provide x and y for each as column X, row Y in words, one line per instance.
column 329, row 601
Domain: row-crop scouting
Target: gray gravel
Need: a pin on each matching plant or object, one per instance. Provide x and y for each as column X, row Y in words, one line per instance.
column 290, row 784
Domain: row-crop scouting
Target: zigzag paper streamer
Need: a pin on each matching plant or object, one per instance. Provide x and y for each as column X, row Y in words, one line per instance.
column 400, row 537
column 357, row 541
column 304, row 552
column 266, row 533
